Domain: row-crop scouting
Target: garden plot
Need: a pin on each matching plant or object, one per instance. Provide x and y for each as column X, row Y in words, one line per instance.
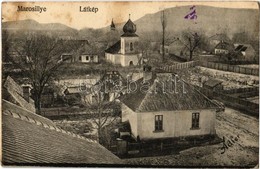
column 231, row 80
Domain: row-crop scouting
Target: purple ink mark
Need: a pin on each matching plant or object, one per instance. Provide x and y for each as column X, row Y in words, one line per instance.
column 192, row 14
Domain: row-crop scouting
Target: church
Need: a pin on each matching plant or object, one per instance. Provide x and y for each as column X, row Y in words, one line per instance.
column 125, row 51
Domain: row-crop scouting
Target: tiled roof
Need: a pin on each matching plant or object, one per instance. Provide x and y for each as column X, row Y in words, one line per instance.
column 114, row 48
column 243, row 47
column 212, row 82
column 173, row 99
column 13, row 92
column 29, row 139
column 224, row 45
column 220, row 37
column 239, row 47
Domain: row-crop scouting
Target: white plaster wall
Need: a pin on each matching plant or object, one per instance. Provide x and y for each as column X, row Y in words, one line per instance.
column 131, row 116
column 125, row 44
column 176, row 124
column 127, row 58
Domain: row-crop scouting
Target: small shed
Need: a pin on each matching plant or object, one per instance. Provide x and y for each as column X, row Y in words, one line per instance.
column 213, row 84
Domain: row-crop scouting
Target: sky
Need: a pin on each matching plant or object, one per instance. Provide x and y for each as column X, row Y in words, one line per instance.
column 68, row 13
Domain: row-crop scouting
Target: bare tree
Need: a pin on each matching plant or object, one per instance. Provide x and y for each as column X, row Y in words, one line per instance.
column 191, row 41
column 39, row 57
column 164, row 24
column 102, row 108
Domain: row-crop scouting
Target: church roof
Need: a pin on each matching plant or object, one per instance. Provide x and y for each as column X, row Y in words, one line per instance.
column 158, row 94
column 114, row 48
column 129, row 29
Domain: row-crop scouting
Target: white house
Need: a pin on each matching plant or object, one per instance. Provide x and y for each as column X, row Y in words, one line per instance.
column 125, row 51
column 163, row 106
column 88, row 58
column 223, row 48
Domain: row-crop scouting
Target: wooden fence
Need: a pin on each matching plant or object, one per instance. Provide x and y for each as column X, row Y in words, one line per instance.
column 177, row 66
column 242, row 90
column 235, row 102
column 230, row 68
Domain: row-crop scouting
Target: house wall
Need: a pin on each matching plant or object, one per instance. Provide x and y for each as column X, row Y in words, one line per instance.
column 131, row 116
column 250, row 53
column 86, row 59
column 114, row 58
column 175, row 124
column 166, row 49
column 221, row 51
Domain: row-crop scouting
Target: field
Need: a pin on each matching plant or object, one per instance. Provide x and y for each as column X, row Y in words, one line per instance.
column 198, row 75
column 231, row 123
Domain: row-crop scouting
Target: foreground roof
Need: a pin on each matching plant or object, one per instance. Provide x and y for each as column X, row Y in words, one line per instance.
column 162, row 95
column 30, row 139
column 13, row 92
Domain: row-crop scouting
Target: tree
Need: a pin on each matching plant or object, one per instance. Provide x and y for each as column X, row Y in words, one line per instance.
column 164, row 24
column 144, row 46
column 191, row 41
column 39, row 57
column 102, row 108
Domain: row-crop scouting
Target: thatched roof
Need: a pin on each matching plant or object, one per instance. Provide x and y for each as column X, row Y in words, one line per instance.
column 161, row 94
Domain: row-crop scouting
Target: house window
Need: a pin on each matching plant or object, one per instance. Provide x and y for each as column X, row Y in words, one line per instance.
column 87, row 57
column 79, row 57
column 158, row 122
column 131, row 46
column 195, row 120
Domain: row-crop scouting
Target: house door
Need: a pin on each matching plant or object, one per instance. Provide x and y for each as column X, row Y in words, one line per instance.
column 131, row 63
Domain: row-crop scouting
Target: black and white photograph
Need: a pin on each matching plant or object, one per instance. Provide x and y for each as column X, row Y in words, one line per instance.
column 130, row 84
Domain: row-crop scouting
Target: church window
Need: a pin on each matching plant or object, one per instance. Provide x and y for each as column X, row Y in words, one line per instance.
column 131, row 46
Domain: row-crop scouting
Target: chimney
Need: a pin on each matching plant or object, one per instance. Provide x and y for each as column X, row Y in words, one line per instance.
column 26, row 92
column 147, row 72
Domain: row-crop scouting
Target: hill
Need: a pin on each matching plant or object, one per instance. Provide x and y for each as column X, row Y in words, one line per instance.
column 32, row 26
column 210, row 20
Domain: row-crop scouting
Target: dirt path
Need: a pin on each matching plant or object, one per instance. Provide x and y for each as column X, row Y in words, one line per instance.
column 244, row 152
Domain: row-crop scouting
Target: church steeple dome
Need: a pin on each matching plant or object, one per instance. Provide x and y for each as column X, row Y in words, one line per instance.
column 129, row 28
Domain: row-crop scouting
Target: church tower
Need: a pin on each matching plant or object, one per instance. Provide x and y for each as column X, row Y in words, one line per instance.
column 129, row 40
column 125, row 51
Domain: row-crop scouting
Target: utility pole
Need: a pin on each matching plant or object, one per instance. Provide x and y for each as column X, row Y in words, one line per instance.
column 164, row 23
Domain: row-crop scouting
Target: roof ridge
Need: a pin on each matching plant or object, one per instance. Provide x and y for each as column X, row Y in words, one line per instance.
column 194, row 88
column 146, row 94
column 40, row 123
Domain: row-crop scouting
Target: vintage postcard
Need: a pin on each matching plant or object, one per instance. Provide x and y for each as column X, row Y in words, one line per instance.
column 130, row 84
